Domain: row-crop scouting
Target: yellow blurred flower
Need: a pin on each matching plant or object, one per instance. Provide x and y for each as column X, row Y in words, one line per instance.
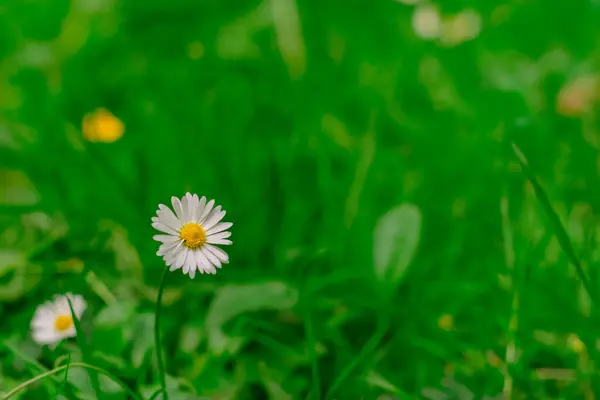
column 102, row 126
column 446, row 322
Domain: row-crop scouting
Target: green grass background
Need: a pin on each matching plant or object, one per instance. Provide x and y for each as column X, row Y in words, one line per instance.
column 307, row 142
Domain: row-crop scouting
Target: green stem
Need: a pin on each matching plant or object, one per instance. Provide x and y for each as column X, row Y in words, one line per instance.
column 509, row 256
column 161, row 366
column 155, row 394
column 46, row 374
column 311, row 340
column 86, row 352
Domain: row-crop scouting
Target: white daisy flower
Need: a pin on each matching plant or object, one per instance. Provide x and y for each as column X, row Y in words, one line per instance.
column 53, row 321
column 191, row 234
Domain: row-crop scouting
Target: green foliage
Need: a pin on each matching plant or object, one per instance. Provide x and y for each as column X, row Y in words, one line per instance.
column 362, row 166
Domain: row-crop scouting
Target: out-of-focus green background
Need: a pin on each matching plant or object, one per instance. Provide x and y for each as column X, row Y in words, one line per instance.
column 386, row 241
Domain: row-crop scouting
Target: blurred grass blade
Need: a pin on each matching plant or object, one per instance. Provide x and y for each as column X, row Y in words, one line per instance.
column 32, row 364
column 383, row 323
column 162, row 372
column 557, row 226
column 86, row 353
column 513, row 326
column 65, row 381
column 312, row 343
column 130, row 393
column 156, row 394
column 286, row 21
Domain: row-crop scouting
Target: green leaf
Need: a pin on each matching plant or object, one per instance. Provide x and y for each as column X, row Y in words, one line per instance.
column 272, row 381
column 9, row 259
column 375, row 379
column 231, row 301
column 143, row 340
column 396, row 238
column 115, row 315
column 190, row 339
column 26, row 354
column 18, row 276
column 16, row 189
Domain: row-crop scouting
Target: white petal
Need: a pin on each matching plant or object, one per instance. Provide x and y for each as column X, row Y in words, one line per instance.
column 167, row 217
column 171, row 258
column 219, row 228
column 171, row 223
column 215, row 217
column 163, row 228
column 165, row 249
column 220, row 235
column 180, row 262
column 166, row 239
column 46, row 336
column 200, row 208
column 202, row 261
column 177, row 207
column 206, row 211
column 186, row 206
column 193, row 267
column 191, row 264
column 211, row 258
column 61, row 305
column 71, row 332
column 224, row 242
column 79, row 304
column 192, row 206
column 220, row 254
column 43, row 313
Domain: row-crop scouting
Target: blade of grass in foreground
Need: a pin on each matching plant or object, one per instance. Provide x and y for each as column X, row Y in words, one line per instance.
column 383, row 323
column 513, row 326
column 130, row 393
column 557, row 226
column 33, row 365
column 162, row 372
column 85, row 350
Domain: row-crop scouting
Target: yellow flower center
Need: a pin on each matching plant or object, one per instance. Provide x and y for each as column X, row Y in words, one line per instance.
column 63, row 322
column 193, row 235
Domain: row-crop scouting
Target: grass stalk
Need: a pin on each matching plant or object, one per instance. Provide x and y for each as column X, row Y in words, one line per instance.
column 86, row 352
column 557, row 226
column 56, row 370
column 161, row 365
column 513, row 326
